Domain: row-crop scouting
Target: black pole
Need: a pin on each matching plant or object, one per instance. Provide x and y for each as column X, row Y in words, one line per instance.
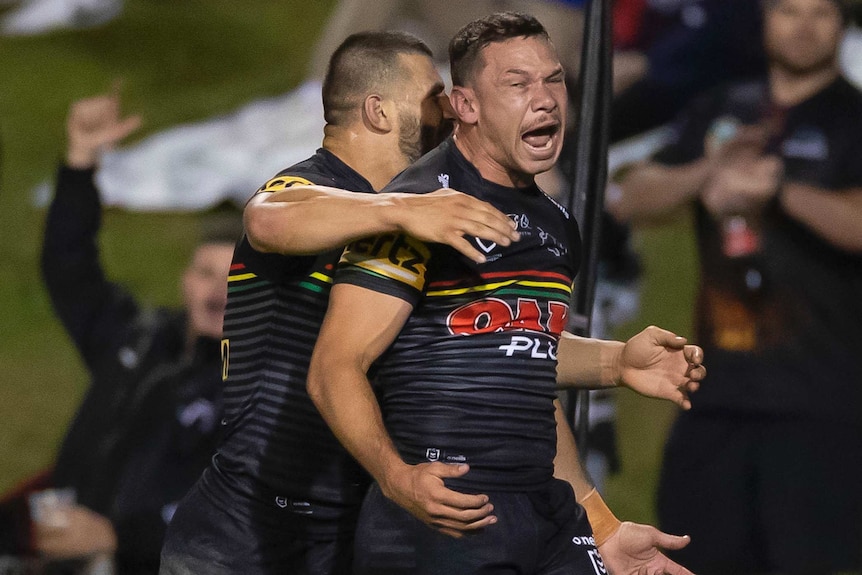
column 586, row 200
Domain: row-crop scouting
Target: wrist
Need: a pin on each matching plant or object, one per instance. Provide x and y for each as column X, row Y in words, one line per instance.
column 80, row 158
column 602, row 520
column 392, row 211
column 612, row 364
column 391, row 478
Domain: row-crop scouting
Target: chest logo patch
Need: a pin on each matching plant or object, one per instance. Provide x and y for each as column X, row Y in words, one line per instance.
column 487, row 248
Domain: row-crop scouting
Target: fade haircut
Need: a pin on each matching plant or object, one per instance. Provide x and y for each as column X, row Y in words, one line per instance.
column 365, row 63
column 466, row 47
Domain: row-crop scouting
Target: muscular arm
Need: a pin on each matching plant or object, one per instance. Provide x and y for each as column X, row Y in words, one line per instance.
column 588, row 363
column 655, row 363
column 833, row 216
column 651, row 190
column 312, row 219
column 627, row 548
column 567, row 463
column 350, row 340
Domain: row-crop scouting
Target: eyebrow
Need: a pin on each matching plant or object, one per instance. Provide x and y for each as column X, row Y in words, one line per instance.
column 558, row 71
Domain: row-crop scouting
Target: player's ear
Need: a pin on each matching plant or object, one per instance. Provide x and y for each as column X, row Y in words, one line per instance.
column 378, row 113
column 463, row 102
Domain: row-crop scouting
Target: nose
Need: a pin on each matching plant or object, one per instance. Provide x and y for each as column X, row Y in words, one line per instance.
column 544, row 99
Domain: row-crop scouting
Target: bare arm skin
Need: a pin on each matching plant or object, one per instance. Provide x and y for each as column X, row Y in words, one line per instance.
column 655, row 363
column 350, row 340
column 627, row 548
column 313, row 219
column 837, row 218
column 650, row 190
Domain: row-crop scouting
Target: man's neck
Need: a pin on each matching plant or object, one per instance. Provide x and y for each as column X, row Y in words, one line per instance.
column 788, row 89
column 473, row 151
column 371, row 155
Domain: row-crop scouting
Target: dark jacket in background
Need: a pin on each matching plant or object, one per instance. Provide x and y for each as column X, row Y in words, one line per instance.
column 147, row 425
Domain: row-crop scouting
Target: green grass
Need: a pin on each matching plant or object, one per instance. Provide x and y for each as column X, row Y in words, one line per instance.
column 181, row 62
column 669, row 259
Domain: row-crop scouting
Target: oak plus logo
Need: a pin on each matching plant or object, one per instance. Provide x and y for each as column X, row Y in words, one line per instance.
column 529, row 322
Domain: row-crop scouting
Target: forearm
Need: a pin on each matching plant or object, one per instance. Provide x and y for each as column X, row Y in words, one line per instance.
column 568, row 467
column 70, row 258
column 314, row 219
column 348, row 405
column 652, row 190
column 833, row 216
column 588, row 363
column 567, row 463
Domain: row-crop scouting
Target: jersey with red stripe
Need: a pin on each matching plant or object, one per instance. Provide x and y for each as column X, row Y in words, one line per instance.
column 471, row 377
column 277, row 453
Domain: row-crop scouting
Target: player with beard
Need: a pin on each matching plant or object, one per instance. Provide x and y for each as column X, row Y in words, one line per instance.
column 464, row 352
column 281, row 495
column 765, row 470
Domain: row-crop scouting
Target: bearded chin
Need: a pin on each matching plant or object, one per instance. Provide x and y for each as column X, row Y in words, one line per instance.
column 409, row 142
column 415, row 140
column 433, row 136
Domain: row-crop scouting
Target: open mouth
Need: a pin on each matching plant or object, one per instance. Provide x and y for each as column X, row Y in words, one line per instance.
column 541, row 138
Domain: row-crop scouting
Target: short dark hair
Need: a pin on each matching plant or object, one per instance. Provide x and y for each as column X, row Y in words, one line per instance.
column 466, row 46
column 364, row 63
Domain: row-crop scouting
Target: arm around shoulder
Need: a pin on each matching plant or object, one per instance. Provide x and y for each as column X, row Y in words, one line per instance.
column 311, row 219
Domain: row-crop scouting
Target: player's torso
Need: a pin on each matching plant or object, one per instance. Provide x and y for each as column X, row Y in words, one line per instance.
column 276, row 447
column 471, row 377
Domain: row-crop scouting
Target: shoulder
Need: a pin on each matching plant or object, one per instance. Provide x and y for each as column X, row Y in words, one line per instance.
column 557, row 205
column 306, row 173
column 323, row 168
column 431, row 172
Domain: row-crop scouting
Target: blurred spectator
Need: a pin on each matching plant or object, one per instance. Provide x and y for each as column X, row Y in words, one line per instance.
column 34, row 17
column 148, row 423
column 669, row 51
column 764, row 471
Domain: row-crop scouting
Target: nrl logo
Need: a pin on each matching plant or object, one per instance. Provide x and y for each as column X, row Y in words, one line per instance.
column 444, row 180
column 598, row 564
column 487, row 248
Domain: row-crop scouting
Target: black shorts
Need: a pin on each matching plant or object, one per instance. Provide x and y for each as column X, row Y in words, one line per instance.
column 203, row 538
column 542, row 532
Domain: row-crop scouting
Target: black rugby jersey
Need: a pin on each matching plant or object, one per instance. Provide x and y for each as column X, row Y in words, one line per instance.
column 471, row 377
column 277, row 451
column 794, row 345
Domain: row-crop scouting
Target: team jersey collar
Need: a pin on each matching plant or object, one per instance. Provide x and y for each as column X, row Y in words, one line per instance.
column 348, row 173
column 489, row 186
